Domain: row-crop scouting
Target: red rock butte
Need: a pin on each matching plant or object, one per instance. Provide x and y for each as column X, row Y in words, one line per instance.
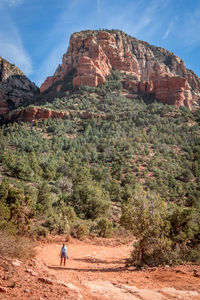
column 155, row 70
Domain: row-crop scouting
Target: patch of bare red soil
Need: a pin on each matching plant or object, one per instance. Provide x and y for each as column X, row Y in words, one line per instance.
column 95, row 270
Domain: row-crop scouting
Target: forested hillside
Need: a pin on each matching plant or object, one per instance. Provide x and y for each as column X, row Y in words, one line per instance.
column 90, row 176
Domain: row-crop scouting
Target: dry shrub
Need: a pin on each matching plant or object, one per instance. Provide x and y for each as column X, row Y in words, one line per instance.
column 104, row 227
column 79, row 231
column 16, row 246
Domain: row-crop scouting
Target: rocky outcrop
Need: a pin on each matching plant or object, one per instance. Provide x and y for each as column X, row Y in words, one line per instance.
column 153, row 69
column 15, row 88
column 30, row 114
column 169, row 90
column 3, row 105
column 127, row 292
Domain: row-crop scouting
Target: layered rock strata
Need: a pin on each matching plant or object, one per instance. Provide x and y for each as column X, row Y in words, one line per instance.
column 15, row 88
column 154, row 70
column 31, row 114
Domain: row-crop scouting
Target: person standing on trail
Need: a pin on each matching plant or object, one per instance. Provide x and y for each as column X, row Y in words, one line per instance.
column 63, row 255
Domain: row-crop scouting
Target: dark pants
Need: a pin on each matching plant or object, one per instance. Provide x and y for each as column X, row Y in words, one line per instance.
column 63, row 259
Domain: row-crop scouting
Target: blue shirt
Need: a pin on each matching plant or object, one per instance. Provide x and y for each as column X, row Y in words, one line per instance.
column 63, row 250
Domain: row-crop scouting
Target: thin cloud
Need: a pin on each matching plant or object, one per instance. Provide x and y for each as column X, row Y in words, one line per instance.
column 191, row 28
column 137, row 19
column 99, row 8
column 169, row 29
column 12, row 47
column 50, row 64
column 12, row 3
column 53, row 58
column 15, row 53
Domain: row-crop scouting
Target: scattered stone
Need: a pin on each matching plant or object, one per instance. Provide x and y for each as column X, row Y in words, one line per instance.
column 40, row 265
column 32, row 272
column 72, row 288
column 100, row 288
column 16, row 263
column 180, row 271
column 196, row 275
column 3, row 289
column 186, row 295
column 152, row 269
column 45, row 280
column 144, row 294
column 124, row 292
column 31, row 264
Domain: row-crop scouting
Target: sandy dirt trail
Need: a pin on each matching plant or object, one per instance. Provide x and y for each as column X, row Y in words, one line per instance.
column 97, row 269
column 86, row 260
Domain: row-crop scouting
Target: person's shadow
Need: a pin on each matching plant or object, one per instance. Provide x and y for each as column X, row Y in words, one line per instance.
column 119, row 269
column 96, row 269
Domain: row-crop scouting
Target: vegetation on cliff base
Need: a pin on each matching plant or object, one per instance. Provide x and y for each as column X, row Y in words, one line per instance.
column 68, row 176
column 166, row 233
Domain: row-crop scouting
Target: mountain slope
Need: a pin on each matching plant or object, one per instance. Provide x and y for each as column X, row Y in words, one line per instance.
column 15, row 88
column 88, row 152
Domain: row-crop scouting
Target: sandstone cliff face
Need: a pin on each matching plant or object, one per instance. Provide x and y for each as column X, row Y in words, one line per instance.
column 15, row 87
column 154, row 69
column 33, row 113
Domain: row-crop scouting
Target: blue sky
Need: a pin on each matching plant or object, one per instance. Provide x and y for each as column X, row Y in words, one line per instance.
column 34, row 34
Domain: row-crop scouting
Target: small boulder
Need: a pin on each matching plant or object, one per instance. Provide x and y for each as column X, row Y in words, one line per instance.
column 3, row 289
column 16, row 263
column 45, row 280
column 180, row 271
column 72, row 287
column 195, row 270
column 32, row 272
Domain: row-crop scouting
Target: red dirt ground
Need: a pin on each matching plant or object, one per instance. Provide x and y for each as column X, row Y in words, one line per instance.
column 104, row 260
column 95, row 270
